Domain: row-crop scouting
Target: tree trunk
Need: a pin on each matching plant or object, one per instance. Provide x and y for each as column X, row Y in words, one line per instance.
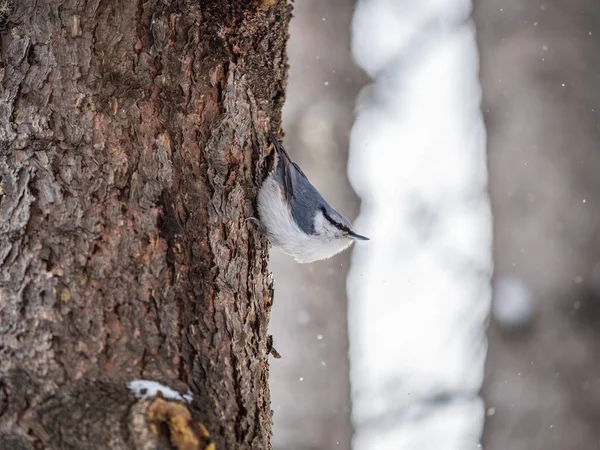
column 541, row 97
column 132, row 139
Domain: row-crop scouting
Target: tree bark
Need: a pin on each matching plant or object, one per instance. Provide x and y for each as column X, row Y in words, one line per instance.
column 132, row 139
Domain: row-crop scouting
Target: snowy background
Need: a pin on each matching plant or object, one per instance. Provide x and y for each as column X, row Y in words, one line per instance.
column 419, row 294
column 385, row 348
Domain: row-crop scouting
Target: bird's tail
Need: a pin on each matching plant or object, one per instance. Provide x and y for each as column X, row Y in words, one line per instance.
column 278, row 148
column 283, row 162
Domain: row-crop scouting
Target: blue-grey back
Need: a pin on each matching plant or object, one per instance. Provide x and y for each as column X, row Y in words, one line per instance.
column 304, row 199
column 305, row 203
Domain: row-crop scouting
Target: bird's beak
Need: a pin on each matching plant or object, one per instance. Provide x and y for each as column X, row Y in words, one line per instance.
column 357, row 237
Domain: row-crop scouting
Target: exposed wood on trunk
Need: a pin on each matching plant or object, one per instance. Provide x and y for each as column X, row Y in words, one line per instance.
column 132, row 138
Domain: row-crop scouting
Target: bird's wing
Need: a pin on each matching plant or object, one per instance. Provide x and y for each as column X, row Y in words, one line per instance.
column 289, row 170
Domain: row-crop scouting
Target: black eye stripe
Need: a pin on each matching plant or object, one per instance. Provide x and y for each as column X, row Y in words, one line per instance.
column 333, row 222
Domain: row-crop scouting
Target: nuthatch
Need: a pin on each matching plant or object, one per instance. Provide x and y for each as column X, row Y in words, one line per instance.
column 297, row 219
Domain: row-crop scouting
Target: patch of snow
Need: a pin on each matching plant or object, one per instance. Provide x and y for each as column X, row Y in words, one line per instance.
column 147, row 388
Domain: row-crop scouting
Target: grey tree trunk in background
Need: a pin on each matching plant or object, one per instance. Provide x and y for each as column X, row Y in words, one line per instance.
column 539, row 70
column 132, row 138
column 310, row 385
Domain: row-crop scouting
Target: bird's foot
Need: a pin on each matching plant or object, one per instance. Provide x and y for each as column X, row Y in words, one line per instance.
column 255, row 223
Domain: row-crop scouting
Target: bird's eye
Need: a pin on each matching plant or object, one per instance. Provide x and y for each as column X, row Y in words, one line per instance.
column 336, row 224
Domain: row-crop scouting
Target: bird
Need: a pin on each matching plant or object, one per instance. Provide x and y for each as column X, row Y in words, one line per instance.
column 296, row 218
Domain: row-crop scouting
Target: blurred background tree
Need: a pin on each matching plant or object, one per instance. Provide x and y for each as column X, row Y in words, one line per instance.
column 310, row 385
column 539, row 73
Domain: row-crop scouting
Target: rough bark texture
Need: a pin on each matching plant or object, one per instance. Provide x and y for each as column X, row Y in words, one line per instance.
column 132, row 138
